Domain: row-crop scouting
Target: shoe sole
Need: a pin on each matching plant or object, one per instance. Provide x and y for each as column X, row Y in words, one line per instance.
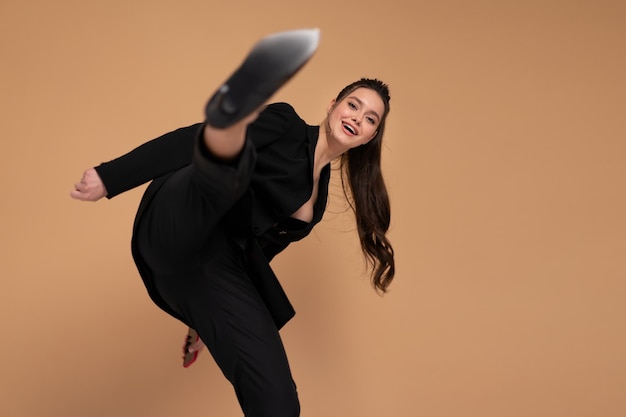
column 270, row 64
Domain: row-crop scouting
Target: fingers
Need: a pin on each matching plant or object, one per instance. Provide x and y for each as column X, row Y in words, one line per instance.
column 80, row 186
column 78, row 193
column 90, row 188
column 82, row 192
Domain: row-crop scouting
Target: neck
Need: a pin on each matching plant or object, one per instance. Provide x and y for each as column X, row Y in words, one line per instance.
column 325, row 152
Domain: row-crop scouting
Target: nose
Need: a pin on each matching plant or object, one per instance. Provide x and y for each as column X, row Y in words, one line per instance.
column 357, row 118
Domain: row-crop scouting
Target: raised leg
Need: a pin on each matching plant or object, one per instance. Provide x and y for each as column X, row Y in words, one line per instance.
column 268, row 66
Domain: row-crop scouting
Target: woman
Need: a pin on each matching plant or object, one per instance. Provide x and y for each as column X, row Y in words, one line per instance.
column 229, row 194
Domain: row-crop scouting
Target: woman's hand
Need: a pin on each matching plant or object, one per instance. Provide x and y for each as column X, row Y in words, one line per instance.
column 90, row 187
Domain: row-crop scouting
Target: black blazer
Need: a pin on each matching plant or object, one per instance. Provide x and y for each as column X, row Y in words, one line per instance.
column 282, row 181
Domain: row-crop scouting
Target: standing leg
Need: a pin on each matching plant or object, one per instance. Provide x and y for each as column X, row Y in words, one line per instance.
column 200, row 272
column 218, row 299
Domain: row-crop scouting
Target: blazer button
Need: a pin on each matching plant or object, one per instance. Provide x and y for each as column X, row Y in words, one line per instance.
column 256, row 230
column 282, row 232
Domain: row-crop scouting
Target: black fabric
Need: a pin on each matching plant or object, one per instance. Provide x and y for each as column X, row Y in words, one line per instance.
column 280, row 182
column 211, row 290
column 204, row 235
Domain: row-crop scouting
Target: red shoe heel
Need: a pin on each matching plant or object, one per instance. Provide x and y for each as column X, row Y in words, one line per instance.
column 190, row 357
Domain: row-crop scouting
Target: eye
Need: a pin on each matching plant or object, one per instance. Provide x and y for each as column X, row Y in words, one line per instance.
column 371, row 120
column 352, row 105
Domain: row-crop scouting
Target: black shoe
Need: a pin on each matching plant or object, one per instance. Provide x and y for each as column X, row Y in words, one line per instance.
column 270, row 64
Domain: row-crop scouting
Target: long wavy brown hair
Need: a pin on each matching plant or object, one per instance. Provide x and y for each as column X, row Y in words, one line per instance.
column 365, row 190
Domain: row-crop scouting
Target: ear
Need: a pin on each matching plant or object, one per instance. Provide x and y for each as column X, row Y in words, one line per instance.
column 331, row 105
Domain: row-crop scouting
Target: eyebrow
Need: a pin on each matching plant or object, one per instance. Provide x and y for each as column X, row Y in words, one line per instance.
column 361, row 103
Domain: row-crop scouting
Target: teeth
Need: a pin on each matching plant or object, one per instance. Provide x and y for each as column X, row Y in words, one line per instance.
column 349, row 128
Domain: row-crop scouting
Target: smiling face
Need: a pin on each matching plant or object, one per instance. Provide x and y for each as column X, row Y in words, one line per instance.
column 354, row 120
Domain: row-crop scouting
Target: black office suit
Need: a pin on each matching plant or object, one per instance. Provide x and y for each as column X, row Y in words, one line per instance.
column 205, row 232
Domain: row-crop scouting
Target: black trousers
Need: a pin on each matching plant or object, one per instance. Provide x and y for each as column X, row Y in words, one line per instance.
column 200, row 272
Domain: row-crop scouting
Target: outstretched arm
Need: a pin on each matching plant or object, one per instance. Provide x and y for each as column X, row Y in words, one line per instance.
column 157, row 157
column 170, row 152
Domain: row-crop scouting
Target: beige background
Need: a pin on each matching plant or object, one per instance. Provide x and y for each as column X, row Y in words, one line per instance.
column 505, row 158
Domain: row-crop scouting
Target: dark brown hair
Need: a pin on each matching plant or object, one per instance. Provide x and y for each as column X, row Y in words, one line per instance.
column 365, row 190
